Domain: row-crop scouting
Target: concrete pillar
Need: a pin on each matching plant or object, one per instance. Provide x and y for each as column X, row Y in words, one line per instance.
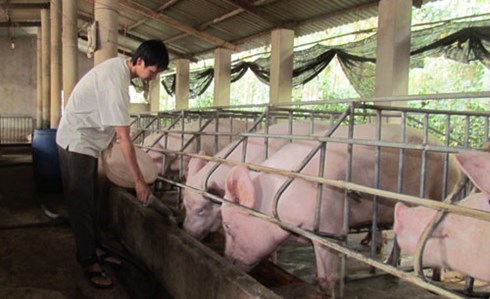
column 106, row 15
column 46, row 82
column 393, row 50
column 39, row 80
column 222, row 77
column 55, row 15
column 154, row 94
column 281, row 78
column 182, row 84
column 70, row 48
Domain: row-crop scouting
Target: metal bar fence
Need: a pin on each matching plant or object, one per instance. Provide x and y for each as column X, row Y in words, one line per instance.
column 16, row 129
column 445, row 124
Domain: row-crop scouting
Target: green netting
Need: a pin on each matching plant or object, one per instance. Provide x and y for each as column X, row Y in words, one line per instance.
column 460, row 41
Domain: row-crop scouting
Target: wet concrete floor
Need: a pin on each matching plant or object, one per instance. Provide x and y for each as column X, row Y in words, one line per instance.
column 37, row 253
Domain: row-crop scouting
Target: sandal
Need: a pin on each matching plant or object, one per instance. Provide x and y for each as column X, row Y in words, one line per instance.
column 93, row 276
column 109, row 260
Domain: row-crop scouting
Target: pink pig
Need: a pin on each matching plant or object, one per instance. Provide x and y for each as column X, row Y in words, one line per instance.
column 250, row 239
column 202, row 215
column 157, row 157
column 459, row 242
column 173, row 142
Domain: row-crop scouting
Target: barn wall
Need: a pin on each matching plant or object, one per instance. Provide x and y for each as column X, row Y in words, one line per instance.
column 18, row 75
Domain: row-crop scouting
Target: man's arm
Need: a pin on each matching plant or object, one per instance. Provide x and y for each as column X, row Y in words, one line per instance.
column 127, row 148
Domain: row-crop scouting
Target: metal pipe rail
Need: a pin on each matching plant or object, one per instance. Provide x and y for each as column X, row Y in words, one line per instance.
column 441, row 206
column 277, row 113
column 434, row 97
column 331, row 244
column 259, row 120
column 367, row 142
column 16, row 129
column 359, row 108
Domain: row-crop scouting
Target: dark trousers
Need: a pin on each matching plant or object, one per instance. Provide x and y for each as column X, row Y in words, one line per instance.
column 79, row 176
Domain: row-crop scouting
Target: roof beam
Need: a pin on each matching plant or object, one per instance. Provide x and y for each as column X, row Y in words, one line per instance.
column 253, row 9
column 333, row 14
column 222, row 18
column 209, row 23
column 20, row 24
column 361, row 7
column 293, row 24
column 12, row 6
column 128, row 35
column 160, row 9
column 139, row 39
column 178, row 25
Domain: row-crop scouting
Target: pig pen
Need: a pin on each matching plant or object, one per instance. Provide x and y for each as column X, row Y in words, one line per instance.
column 476, row 132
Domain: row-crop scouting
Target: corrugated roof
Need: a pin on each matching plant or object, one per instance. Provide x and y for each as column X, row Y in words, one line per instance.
column 195, row 28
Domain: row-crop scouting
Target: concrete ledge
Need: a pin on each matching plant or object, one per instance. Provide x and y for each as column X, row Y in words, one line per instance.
column 185, row 267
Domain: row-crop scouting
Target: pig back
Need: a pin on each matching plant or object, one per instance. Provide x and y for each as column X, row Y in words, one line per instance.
column 363, row 171
column 174, row 140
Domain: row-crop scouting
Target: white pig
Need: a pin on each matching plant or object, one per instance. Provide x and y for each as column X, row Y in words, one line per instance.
column 157, row 156
column 250, row 239
column 460, row 243
column 202, row 215
column 173, row 142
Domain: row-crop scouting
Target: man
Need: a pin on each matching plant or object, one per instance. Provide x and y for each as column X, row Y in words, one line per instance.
column 97, row 111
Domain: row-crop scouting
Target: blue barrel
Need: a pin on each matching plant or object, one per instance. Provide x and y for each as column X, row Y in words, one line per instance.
column 46, row 167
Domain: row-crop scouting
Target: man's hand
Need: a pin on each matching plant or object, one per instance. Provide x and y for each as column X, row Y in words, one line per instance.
column 142, row 191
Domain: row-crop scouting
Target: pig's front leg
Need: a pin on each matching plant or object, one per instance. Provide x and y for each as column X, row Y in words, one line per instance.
column 327, row 261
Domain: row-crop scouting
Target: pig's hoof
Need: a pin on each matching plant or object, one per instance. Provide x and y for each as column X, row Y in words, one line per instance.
column 326, row 287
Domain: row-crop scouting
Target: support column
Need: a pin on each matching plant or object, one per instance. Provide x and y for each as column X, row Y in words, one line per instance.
column 281, row 80
column 55, row 14
column 222, row 77
column 46, row 82
column 106, row 15
column 182, row 84
column 154, row 94
column 70, row 48
column 393, row 50
column 39, row 80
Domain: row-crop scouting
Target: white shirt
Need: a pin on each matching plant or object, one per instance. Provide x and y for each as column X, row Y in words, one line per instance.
column 99, row 101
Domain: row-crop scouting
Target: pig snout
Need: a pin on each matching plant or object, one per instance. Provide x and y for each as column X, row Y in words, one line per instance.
column 198, row 234
column 203, row 221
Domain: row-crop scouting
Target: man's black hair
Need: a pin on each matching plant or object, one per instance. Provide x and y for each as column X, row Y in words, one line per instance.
column 153, row 52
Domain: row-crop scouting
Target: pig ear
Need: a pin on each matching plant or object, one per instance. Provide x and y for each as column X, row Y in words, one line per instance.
column 195, row 164
column 399, row 210
column 476, row 165
column 239, row 187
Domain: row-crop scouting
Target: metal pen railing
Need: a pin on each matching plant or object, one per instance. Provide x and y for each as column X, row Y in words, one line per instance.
column 473, row 127
column 16, row 129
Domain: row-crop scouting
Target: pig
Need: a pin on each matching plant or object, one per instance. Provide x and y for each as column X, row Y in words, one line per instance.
column 156, row 155
column 459, row 243
column 173, row 141
column 250, row 239
column 202, row 215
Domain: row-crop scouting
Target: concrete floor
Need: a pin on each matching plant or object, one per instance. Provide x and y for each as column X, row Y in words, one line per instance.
column 37, row 254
